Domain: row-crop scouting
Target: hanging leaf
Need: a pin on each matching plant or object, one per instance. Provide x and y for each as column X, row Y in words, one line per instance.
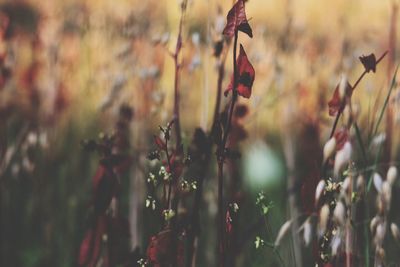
column 237, row 21
column 245, row 76
column 336, row 103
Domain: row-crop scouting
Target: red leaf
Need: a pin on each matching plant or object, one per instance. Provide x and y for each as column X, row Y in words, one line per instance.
column 91, row 245
column 341, row 137
column 159, row 250
column 237, row 21
column 160, row 143
column 336, row 104
column 246, row 75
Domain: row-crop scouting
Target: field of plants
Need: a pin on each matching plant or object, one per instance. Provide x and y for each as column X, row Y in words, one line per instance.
column 173, row 133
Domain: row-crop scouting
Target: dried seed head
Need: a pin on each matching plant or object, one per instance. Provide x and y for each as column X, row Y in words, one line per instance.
column 339, row 212
column 360, row 184
column 395, row 231
column 342, row 158
column 329, row 148
column 377, row 178
column 282, row 232
column 380, row 252
column 323, row 218
column 391, row 175
column 319, row 189
column 373, row 224
column 380, row 205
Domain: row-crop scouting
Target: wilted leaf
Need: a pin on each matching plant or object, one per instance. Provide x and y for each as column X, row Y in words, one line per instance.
column 246, row 75
column 336, row 103
column 237, row 21
column 369, row 62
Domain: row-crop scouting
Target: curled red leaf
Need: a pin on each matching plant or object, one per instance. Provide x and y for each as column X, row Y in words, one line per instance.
column 341, row 136
column 237, row 21
column 336, row 104
column 160, row 143
column 159, row 250
column 246, row 75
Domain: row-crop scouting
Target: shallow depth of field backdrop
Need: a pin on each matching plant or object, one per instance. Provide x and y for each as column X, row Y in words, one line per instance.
column 68, row 68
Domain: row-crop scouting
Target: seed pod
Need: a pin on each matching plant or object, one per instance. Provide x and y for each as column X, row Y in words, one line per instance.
column 377, row 182
column 319, row 189
column 386, row 192
column 282, row 232
column 395, row 231
column 343, row 85
column 342, row 158
column 360, row 184
column 323, row 217
column 307, row 233
column 339, row 212
column 329, row 148
column 373, row 224
column 335, row 244
column 391, row 175
column 346, row 185
column 380, row 234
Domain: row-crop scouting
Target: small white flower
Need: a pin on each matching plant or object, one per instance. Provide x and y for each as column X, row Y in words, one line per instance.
column 342, row 158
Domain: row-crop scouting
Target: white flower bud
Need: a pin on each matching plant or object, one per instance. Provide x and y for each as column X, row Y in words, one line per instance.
column 387, row 191
column 339, row 212
column 391, row 175
column 342, row 158
column 395, row 231
column 307, row 233
column 323, row 218
column 343, row 86
column 318, row 190
column 377, row 182
column 373, row 224
column 329, row 148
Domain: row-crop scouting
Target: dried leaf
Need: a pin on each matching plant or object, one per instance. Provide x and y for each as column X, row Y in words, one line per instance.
column 246, row 75
column 369, row 62
column 336, row 103
column 237, row 21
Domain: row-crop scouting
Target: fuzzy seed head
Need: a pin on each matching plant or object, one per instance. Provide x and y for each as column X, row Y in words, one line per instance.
column 373, row 224
column 380, row 234
column 387, row 192
column 307, row 233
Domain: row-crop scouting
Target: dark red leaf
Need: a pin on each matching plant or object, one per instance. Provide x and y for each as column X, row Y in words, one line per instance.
column 91, row 245
column 341, row 137
column 336, row 104
column 160, row 143
column 237, row 21
column 246, row 75
column 159, row 250
column 369, row 62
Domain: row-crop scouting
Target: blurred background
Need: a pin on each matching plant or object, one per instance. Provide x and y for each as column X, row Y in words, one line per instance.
column 67, row 68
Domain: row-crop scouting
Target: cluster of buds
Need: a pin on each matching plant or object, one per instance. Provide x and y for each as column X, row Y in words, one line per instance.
column 379, row 223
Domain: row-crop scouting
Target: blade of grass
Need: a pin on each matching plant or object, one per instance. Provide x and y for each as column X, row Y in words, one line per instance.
column 393, row 83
